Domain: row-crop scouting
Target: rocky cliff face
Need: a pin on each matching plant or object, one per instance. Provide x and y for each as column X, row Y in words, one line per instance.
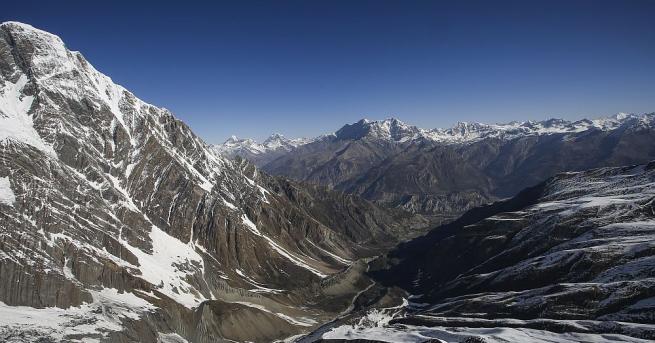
column 118, row 223
column 446, row 172
column 568, row 260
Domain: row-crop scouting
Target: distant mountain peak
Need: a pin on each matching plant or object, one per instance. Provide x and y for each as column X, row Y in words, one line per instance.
column 276, row 139
column 252, row 150
column 391, row 129
column 275, row 135
column 622, row 116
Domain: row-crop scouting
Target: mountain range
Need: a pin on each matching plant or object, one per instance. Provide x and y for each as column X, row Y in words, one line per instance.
column 274, row 146
column 444, row 172
column 119, row 224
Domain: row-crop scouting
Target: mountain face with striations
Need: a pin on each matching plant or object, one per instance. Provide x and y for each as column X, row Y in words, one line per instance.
column 569, row 260
column 447, row 171
column 117, row 223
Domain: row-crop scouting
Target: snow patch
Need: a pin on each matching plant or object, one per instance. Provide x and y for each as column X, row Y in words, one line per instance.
column 107, row 313
column 299, row 322
column 283, row 252
column 170, row 338
column 126, row 299
column 334, row 256
column 459, row 334
column 7, row 196
column 15, row 122
column 169, row 265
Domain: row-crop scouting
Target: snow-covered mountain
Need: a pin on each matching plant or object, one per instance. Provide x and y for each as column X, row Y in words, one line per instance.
column 569, row 260
column 117, row 223
column 445, row 172
column 259, row 153
column 392, row 130
column 471, row 132
column 396, row 131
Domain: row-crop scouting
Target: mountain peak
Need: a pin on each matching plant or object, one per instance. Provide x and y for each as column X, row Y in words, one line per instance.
column 18, row 25
column 391, row 129
column 275, row 137
column 623, row 116
column 41, row 42
column 32, row 33
column 392, row 120
column 257, row 152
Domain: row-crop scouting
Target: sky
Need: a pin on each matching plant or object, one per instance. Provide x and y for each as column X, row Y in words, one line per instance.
column 304, row 68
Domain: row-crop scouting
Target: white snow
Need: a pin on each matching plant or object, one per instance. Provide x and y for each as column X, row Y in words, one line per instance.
column 52, row 63
column 169, row 265
column 106, row 313
column 279, row 249
column 295, row 260
column 375, row 325
column 455, row 335
column 7, row 196
column 229, row 204
column 337, row 258
column 465, row 132
column 170, row 338
column 250, row 225
column 300, row 322
column 394, row 130
column 55, row 323
column 258, row 287
column 15, row 122
column 127, row 299
column 275, row 143
column 112, row 94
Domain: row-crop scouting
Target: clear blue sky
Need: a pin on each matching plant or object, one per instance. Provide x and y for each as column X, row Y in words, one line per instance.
column 304, row 68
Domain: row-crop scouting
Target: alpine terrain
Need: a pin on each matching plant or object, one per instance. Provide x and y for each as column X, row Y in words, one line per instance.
column 118, row 224
column 444, row 172
column 569, row 260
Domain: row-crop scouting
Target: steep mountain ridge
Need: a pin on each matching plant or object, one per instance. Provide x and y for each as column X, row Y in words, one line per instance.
column 118, row 223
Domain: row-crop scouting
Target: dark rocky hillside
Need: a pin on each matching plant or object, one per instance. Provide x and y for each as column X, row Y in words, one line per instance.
column 570, row 259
